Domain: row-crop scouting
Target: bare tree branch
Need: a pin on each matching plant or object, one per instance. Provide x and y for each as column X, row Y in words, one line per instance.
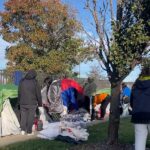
column 90, row 36
column 108, row 41
column 111, row 10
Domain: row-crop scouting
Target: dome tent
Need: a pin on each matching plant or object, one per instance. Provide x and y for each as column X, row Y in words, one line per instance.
column 9, row 120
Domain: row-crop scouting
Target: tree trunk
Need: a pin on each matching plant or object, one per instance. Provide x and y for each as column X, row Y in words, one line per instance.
column 114, row 118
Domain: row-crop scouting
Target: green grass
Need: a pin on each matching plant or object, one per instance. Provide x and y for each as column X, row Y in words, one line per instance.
column 97, row 133
column 38, row 144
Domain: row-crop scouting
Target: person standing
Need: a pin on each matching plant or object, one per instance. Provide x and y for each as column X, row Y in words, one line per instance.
column 29, row 96
column 125, row 99
column 44, row 91
column 125, row 93
column 140, row 103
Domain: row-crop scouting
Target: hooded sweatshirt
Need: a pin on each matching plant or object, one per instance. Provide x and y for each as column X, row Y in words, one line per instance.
column 29, row 93
column 99, row 98
column 140, row 101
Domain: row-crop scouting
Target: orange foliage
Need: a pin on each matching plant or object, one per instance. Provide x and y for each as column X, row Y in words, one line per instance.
column 36, row 28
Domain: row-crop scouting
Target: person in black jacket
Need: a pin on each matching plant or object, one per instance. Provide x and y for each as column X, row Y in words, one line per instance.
column 29, row 96
column 140, row 103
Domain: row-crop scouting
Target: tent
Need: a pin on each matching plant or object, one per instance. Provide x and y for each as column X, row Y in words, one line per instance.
column 9, row 117
column 105, row 90
column 7, row 91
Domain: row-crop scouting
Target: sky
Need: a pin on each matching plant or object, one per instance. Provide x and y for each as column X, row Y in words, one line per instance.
column 3, row 44
column 84, row 17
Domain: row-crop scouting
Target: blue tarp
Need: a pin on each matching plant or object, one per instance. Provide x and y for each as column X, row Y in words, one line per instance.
column 18, row 75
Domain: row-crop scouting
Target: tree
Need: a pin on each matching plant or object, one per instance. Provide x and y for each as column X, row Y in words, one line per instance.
column 96, row 73
column 42, row 33
column 122, row 28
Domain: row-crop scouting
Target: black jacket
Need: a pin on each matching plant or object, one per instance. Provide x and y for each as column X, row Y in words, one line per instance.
column 29, row 93
column 140, row 101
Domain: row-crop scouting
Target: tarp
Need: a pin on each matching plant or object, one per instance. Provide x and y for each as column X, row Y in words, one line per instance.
column 105, row 90
column 17, row 76
column 9, row 121
column 67, row 83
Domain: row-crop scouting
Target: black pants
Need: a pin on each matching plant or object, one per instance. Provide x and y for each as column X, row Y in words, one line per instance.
column 104, row 105
column 27, row 118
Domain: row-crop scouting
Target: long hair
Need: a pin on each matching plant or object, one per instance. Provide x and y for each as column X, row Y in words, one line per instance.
column 47, row 82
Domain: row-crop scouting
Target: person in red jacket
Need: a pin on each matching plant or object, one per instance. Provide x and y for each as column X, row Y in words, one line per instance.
column 69, row 93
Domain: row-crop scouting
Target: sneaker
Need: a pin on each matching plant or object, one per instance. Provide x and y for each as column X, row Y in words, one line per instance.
column 29, row 134
column 23, row 132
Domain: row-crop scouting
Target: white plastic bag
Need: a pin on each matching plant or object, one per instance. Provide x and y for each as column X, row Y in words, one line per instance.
column 52, row 131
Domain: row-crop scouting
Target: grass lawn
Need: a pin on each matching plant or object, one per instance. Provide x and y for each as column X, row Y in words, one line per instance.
column 97, row 133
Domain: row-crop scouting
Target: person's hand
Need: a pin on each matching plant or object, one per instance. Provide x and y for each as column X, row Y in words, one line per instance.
column 96, row 108
column 124, row 97
column 46, row 104
column 65, row 111
column 41, row 109
column 63, row 114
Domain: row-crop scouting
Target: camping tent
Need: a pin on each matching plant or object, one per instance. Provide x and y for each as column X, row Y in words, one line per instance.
column 7, row 91
column 9, row 120
column 9, row 123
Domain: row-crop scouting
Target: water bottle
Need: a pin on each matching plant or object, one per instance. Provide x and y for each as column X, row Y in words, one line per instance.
column 39, row 125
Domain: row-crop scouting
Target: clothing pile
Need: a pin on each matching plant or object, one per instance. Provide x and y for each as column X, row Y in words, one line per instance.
column 76, row 118
column 76, row 134
column 71, row 128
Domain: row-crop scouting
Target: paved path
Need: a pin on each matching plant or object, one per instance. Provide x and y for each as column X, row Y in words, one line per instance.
column 7, row 140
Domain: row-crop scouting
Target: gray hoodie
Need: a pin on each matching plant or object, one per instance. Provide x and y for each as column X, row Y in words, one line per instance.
column 29, row 92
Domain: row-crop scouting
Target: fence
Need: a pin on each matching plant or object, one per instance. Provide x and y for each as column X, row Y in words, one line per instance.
column 10, row 78
column 15, row 77
column 5, row 78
